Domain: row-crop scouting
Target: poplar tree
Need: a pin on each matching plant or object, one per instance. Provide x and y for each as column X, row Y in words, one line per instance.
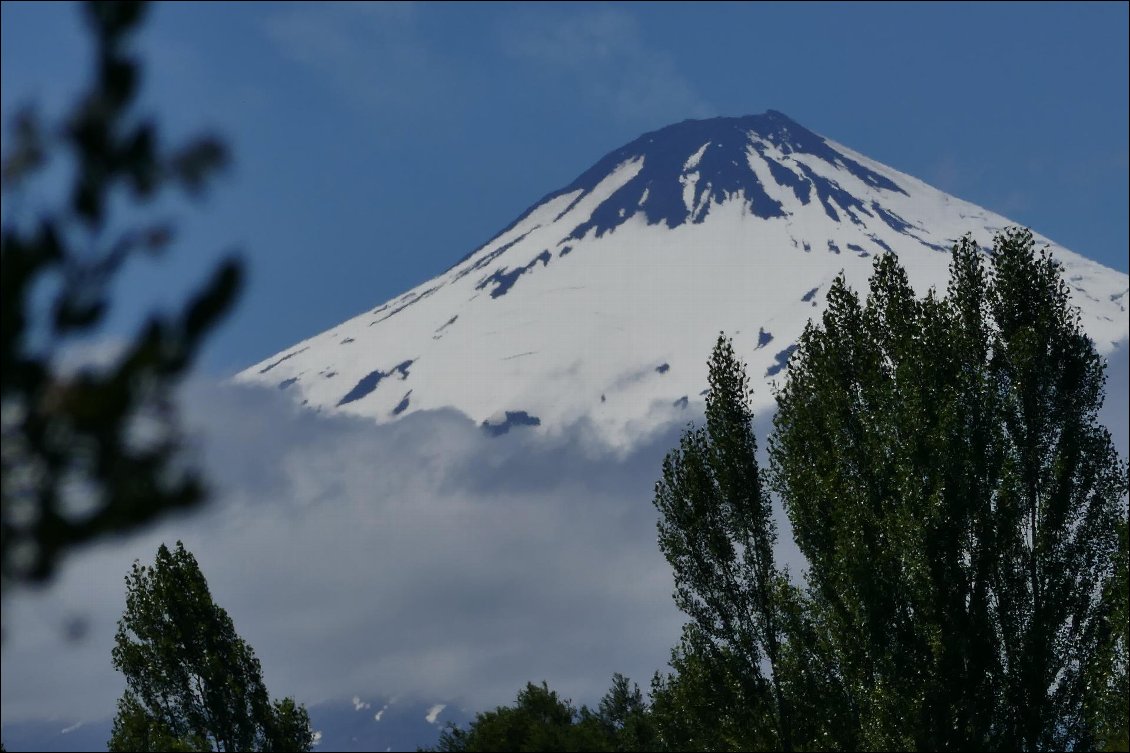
column 716, row 529
column 957, row 501
column 962, row 513
column 191, row 682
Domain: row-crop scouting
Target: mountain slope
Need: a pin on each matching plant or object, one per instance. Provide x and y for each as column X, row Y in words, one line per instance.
column 599, row 305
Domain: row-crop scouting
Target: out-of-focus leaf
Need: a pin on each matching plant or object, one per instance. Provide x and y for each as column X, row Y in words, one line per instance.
column 27, row 154
column 80, row 426
column 194, row 163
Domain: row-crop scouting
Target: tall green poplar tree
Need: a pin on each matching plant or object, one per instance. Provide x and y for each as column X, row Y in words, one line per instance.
column 191, row 682
column 716, row 530
column 946, row 477
column 962, row 512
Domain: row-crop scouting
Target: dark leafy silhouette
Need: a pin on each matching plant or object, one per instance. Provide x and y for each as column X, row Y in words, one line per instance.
column 99, row 451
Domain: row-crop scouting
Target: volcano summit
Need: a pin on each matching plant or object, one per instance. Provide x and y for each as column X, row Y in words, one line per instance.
column 599, row 304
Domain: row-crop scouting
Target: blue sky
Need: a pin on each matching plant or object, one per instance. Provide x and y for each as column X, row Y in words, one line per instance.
column 375, row 145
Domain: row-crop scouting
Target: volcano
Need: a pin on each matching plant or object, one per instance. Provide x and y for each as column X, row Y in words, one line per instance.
column 599, row 305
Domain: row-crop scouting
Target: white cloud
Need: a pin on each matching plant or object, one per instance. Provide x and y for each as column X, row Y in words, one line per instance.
column 421, row 559
column 1115, row 413
column 434, row 712
column 609, row 62
column 372, row 53
column 96, row 354
column 389, row 60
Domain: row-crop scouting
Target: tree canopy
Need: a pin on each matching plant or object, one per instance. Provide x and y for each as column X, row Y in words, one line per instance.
column 191, row 682
column 716, row 529
column 542, row 720
column 961, row 511
column 957, row 501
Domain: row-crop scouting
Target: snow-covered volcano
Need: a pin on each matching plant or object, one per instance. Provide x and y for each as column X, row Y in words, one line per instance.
column 601, row 303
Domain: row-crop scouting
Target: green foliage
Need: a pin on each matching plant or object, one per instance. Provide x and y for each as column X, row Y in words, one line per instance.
column 625, row 717
column 701, row 706
column 74, row 464
column 288, row 727
column 191, row 682
column 135, row 729
column 962, row 513
column 542, row 721
column 1107, row 677
column 946, row 478
column 716, row 530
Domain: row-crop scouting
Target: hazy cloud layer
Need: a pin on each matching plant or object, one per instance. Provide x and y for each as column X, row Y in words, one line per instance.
column 421, row 560
column 390, row 59
column 607, row 62
column 373, row 54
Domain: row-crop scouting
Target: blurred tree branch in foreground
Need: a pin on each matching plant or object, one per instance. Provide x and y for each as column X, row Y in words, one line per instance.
column 98, row 451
